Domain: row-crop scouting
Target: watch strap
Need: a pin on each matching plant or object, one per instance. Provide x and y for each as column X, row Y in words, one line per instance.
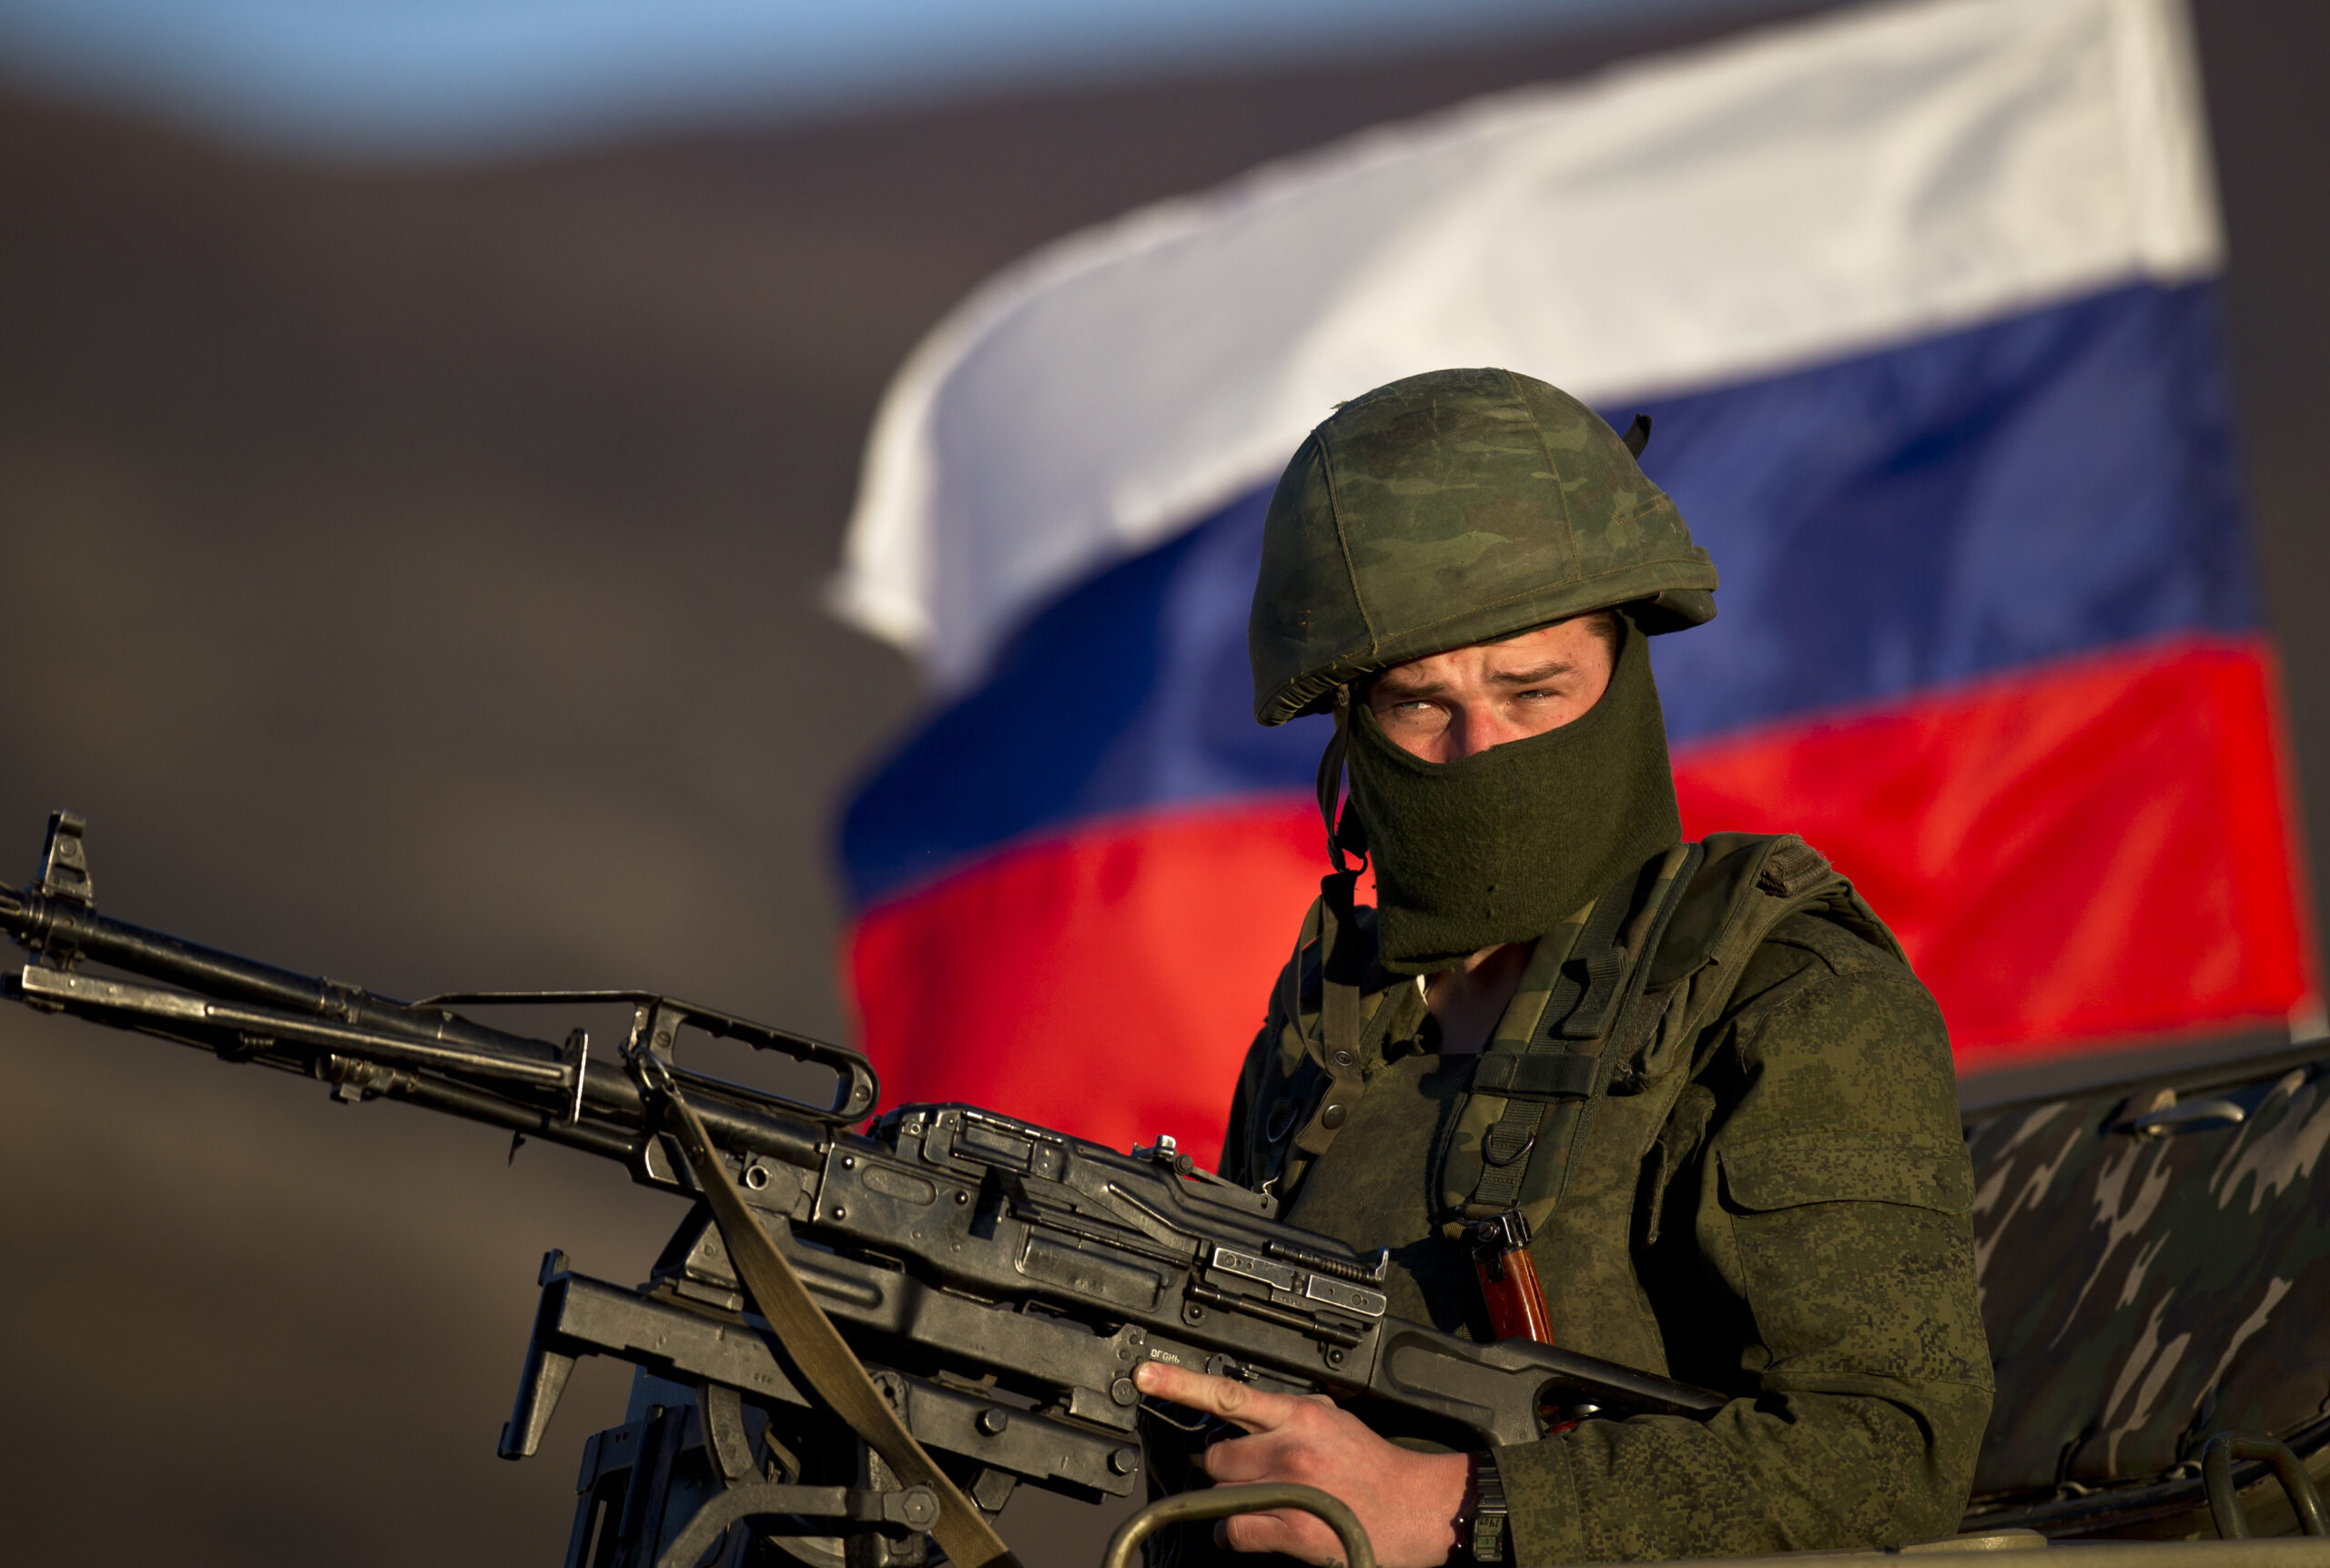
column 1484, row 1535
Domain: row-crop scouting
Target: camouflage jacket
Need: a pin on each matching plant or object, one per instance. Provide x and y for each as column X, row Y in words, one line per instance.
column 1770, row 1199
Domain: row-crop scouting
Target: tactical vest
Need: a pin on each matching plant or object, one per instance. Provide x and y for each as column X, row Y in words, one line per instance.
column 1584, row 1102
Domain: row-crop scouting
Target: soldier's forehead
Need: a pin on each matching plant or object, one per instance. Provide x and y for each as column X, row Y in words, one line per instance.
column 1529, row 643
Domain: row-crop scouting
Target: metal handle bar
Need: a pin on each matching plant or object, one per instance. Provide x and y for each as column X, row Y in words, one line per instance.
column 2224, row 1497
column 1223, row 1501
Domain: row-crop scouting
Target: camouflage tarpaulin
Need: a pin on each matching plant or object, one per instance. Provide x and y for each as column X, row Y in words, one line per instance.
column 2156, row 1269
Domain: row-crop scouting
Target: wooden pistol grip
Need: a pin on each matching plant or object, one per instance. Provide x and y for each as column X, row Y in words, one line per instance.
column 1515, row 1297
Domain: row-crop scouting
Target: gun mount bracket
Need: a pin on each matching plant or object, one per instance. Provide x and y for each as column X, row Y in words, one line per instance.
column 913, row 1508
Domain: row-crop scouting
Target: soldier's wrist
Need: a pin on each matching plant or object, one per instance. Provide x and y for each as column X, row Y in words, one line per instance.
column 1482, row 1519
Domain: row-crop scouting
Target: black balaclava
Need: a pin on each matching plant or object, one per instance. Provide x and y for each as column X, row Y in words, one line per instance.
column 1505, row 845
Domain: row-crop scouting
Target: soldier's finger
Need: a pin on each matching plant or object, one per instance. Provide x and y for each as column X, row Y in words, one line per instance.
column 1291, row 1532
column 1243, row 1458
column 1251, row 1408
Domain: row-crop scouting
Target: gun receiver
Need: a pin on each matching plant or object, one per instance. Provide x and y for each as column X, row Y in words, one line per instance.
column 1001, row 1281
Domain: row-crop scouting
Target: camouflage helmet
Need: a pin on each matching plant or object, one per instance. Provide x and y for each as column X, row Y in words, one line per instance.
column 1453, row 508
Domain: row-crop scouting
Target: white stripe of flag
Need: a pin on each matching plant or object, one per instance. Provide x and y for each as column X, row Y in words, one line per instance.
column 1811, row 190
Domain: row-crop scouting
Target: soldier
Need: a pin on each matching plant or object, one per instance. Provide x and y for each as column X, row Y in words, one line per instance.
column 1699, row 1078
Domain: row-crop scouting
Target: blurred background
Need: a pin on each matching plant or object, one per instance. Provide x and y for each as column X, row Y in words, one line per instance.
column 422, row 449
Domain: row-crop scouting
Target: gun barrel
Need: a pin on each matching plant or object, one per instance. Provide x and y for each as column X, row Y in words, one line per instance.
column 48, row 924
column 347, row 1015
column 61, row 927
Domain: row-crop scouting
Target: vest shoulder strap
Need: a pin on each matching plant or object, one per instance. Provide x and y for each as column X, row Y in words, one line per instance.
column 1528, row 1108
column 1748, row 884
column 1530, row 1100
column 1530, row 1112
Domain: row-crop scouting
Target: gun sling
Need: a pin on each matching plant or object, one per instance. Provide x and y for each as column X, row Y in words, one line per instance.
column 816, row 1347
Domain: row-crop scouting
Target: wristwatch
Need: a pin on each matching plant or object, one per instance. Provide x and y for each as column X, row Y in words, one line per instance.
column 1481, row 1520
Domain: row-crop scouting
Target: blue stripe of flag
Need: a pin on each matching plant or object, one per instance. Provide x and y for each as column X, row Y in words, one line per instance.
column 2049, row 484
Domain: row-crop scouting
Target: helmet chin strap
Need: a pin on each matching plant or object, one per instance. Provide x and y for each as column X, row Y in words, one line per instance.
column 1344, row 962
column 1344, row 831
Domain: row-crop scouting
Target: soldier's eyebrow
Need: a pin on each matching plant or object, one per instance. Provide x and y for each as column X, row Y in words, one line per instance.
column 1397, row 688
column 1405, row 690
column 1530, row 677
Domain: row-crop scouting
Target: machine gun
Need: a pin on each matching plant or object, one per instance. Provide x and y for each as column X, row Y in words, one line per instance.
column 998, row 1283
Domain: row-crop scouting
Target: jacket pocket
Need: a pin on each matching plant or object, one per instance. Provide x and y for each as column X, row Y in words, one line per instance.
column 1788, row 1173
column 1856, row 1257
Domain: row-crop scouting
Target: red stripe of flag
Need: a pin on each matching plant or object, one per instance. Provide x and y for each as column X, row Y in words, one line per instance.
column 2085, row 854
column 1106, row 984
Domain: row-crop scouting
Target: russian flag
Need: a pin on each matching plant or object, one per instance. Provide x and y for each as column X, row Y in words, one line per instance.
column 1923, row 301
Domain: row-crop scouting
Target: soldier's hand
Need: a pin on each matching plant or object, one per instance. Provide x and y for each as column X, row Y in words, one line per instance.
column 1408, row 1501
